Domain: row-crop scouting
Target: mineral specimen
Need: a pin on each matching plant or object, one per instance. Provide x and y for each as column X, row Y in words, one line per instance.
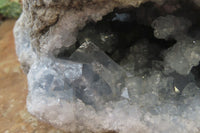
column 110, row 71
column 119, row 66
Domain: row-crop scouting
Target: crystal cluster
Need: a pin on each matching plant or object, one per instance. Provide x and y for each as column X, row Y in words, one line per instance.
column 133, row 71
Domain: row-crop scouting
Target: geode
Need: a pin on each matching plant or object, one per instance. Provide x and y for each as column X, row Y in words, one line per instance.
column 112, row 65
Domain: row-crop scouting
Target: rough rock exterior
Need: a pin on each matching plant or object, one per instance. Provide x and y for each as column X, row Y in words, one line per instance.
column 87, row 91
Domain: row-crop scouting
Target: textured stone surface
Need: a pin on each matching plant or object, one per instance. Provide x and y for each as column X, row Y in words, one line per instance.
column 74, row 82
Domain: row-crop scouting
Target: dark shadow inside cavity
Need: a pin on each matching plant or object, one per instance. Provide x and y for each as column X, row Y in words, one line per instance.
column 121, row 35
column 116, row 35
column 196, row 72
column 135, row 27
column 65, row 53
column 121, row 29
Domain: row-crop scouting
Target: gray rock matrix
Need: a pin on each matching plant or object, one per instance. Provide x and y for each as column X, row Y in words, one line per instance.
column 88, row 90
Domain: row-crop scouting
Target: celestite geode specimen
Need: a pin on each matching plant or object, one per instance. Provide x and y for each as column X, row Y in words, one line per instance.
column 112, row 65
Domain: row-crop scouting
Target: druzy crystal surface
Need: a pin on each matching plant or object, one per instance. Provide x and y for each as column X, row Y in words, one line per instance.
column 118, row 66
